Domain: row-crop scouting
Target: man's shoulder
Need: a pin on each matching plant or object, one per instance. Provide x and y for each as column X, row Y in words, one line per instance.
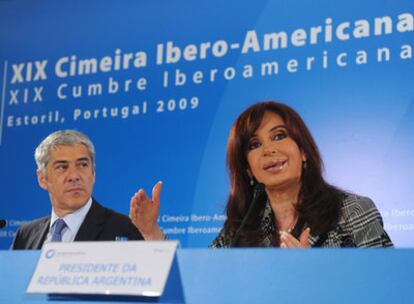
column 112, row 215
column 30, row 235
column 34, row 224
column 110, row 223
column 109, row 214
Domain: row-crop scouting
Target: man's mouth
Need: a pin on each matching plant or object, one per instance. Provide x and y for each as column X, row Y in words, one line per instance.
column 74, row 189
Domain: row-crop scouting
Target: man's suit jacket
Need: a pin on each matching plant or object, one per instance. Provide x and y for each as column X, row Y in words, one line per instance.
column 100, row 224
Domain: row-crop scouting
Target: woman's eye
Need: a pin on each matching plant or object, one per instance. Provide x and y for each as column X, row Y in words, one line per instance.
column 254, row 145
column 280, row 136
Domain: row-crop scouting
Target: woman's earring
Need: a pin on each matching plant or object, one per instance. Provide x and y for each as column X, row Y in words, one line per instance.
column 304, row 164
column 251, row 181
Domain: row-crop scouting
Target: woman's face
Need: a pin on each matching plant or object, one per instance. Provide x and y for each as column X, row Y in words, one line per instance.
column 274, row 157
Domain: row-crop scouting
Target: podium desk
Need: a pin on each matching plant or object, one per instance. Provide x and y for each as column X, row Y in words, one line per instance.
column 254, row 276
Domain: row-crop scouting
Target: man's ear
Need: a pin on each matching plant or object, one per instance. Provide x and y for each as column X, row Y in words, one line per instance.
column 41, row 179
column 249, row 173
column 94, row 176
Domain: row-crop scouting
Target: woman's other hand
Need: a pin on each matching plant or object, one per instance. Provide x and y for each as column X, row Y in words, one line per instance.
column 144, row 213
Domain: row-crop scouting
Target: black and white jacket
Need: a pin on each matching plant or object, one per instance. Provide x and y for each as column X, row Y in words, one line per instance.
column 360, row 225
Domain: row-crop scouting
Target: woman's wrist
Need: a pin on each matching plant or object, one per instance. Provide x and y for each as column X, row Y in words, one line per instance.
column 155, row 235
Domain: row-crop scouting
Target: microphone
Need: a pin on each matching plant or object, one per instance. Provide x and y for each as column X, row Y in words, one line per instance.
column 258, row 191
column 2, row 223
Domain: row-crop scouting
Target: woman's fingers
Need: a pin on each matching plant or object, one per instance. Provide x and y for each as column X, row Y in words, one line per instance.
column 289, row 241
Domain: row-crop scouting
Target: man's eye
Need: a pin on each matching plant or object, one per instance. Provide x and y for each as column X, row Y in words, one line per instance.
column 84, row 165
column 254, row 145
column 60, row 167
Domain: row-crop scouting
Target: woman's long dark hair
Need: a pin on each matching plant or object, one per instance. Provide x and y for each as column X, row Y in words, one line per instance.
column 319, row 202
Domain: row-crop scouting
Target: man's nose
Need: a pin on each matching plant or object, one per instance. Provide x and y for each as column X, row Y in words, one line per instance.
column 73, row 175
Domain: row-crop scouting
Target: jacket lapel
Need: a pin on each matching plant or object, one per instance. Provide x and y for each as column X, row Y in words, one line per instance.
column 92, row 224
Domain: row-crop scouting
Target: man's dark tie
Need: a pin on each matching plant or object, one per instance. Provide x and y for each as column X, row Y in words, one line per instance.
column 57, row 233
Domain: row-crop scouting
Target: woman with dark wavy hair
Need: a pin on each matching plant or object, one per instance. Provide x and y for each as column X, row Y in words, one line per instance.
column 270, row 144
column 278, row 196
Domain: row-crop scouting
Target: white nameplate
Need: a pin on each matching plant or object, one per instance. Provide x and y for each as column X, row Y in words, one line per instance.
column 137, row 268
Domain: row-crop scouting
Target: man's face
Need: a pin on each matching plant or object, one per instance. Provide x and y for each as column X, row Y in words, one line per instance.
column 69, row 178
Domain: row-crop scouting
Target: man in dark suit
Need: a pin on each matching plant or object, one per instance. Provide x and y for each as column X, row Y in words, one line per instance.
column 66, row 169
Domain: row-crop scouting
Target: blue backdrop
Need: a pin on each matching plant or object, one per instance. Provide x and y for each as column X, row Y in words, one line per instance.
column 157, row 85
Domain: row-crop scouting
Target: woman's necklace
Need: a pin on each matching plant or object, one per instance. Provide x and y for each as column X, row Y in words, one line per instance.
column 291, row 226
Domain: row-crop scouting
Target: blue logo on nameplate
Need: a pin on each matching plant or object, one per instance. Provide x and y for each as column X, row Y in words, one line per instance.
column 50, row 253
